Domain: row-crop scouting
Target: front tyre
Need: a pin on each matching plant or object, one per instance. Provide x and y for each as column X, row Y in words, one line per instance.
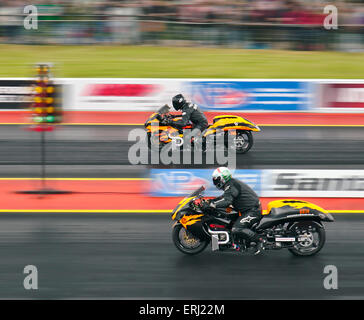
column 153, row 142
column 186, row 242
column 241, row 142
column 312, row 238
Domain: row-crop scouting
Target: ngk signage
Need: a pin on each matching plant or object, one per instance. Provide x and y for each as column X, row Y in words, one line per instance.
column 342, row 95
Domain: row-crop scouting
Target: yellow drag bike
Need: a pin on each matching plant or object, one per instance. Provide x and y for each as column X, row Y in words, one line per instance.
column 238, row 128
column 290, row 224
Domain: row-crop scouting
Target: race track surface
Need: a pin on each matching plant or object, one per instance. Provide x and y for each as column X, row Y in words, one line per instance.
column 131, row 256
column 275, row 147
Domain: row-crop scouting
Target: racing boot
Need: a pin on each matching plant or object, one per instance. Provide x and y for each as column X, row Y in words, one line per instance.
column 254, row 242
column 257, row 246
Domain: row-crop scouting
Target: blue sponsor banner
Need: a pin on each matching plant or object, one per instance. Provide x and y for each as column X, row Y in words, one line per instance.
column 250, row 95
column 182, row 182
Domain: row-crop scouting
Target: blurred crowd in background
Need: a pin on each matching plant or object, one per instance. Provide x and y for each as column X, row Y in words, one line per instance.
column 276, row 24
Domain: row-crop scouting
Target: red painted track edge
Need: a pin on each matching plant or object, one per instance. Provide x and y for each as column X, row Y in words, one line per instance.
column 139, row 117
column 116, row 195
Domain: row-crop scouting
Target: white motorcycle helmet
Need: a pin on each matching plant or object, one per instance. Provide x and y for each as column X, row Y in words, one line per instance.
column 220, row 176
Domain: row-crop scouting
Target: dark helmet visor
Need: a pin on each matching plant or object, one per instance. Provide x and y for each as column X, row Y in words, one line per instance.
column 178, row 101
column 216, row 181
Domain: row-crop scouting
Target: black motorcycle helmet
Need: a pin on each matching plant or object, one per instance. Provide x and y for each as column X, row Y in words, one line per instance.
column 178, row 101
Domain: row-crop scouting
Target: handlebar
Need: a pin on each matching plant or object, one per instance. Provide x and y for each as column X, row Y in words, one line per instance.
column 200, row 201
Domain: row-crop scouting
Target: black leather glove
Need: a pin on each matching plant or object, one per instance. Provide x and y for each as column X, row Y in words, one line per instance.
column 164, row 122
column 206, row 207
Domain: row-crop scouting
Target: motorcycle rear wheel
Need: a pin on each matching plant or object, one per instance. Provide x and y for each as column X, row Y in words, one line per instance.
column 186, row 242
column 243, row 141
column 309, row 247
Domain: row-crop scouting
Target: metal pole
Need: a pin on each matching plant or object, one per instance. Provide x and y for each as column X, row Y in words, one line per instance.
column 43, row 159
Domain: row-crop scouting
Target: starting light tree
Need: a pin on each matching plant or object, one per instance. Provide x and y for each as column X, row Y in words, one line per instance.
column 47, row 105
column 46, row 111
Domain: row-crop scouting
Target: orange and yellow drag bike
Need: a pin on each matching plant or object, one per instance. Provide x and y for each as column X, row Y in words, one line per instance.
column 290, row 224
column 238, row 128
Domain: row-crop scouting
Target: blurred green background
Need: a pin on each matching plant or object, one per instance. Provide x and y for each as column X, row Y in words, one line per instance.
column 177, row 62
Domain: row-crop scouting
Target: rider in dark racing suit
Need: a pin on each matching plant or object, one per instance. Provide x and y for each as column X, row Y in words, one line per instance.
column 244, row 200
column 190, row 112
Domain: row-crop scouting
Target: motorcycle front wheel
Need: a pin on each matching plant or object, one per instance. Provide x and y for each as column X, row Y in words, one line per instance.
column 187, row 242
column 154, row 142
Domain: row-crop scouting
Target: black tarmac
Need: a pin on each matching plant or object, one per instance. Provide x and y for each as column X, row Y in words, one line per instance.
column 274, row 147
column 131, row 256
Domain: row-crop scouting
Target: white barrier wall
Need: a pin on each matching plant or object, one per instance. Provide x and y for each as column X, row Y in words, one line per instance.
column 120, row 94
column 209, row 94
column 227, row 95
column 267, row 183
column 313, row 183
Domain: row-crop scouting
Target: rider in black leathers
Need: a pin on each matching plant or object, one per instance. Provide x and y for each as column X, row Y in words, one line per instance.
column 244, row 200
column 190, row 112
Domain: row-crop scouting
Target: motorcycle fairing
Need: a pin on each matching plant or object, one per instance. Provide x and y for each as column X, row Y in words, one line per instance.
column 190, row 220
column 230, row 122
column 154, row 119
column 181, row 204
column 148, row 122
column 291, row 206
column 163, row 133
column 235, row 121
column 228, row 116
column 287, row 210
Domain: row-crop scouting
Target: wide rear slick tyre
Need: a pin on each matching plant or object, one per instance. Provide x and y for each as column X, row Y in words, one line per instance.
column 246, row 136
column 178, row 232
column 299, row 250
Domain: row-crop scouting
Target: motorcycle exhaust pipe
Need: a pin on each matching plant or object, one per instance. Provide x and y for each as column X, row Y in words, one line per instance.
column 281, row 239
column 214, row 242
